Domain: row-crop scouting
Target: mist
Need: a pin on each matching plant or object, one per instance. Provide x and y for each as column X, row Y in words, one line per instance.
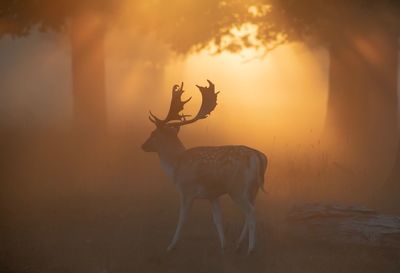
column 78, row 198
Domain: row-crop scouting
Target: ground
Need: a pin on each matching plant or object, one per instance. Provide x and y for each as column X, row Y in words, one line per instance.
column 118, row 216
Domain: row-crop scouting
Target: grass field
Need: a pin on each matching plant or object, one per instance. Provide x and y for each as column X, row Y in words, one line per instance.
column 68, row 210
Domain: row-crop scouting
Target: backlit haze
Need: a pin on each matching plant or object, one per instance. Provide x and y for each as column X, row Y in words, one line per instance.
column 280, row 96
column 77, row 192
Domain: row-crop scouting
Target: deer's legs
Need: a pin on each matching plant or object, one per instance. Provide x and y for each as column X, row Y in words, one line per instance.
column 217, row 217
column 184, row 210
column 246, row 208
column 250, row 223
column 242, row 234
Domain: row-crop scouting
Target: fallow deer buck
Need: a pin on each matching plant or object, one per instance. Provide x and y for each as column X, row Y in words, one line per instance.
column 207, row 172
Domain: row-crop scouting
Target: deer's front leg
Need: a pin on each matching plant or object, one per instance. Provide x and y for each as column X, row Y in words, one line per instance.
column 184, row 210
column 217, row 217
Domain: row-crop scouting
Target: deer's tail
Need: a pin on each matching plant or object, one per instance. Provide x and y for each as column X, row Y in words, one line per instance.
column 262, row 168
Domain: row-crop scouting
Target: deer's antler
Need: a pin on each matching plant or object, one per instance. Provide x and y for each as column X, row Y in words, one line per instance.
column 208, row 104
column 175, row 108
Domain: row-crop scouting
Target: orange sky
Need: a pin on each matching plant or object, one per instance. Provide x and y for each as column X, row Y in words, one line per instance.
column 283, row 94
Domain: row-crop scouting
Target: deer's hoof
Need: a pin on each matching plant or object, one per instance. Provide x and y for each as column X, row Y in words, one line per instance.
column 238, row 247
column 171, row 247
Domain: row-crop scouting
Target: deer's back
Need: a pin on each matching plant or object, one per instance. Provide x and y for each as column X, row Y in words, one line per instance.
column 212, row 171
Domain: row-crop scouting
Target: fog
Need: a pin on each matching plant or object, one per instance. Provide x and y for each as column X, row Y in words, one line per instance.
column 83, row 202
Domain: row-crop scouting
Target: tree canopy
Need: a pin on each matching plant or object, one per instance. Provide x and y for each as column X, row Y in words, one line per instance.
column 182, row 24
column 228, row 25
column 323, row 20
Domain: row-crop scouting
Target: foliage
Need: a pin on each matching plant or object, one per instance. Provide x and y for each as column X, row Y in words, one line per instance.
column 19, row 17
column 183, row 25
column 231, row 25
column 326, row 20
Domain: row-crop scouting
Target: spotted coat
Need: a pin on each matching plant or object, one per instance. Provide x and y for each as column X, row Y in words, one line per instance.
column 208, row 172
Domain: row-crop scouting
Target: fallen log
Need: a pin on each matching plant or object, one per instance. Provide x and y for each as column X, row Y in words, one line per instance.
column 345, row 224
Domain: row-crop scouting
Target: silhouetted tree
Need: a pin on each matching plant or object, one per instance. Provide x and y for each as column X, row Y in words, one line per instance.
column 190, row 26
column 361, row 36
column 362, row 39
column 85, row 25
column 181, row 24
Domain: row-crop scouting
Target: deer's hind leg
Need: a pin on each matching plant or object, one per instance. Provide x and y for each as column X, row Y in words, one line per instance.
column 245, row 198
column 251, row 223
column 249, row 226
column 252, row 195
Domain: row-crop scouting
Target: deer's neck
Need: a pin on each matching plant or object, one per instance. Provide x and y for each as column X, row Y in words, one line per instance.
column 169, row 157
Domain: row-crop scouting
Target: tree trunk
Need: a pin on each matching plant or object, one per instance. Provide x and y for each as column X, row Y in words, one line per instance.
column 362, row 105
column 87, row 35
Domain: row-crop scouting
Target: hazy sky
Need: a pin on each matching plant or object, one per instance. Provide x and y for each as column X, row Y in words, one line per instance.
column 285, row 92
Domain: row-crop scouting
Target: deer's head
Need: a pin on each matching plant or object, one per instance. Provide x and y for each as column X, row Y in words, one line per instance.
column 165, row 135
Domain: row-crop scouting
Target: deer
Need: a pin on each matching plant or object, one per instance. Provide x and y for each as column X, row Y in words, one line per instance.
column 207, row 172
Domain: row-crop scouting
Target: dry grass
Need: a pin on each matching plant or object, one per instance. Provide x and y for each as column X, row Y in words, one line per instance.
column 108, row 208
